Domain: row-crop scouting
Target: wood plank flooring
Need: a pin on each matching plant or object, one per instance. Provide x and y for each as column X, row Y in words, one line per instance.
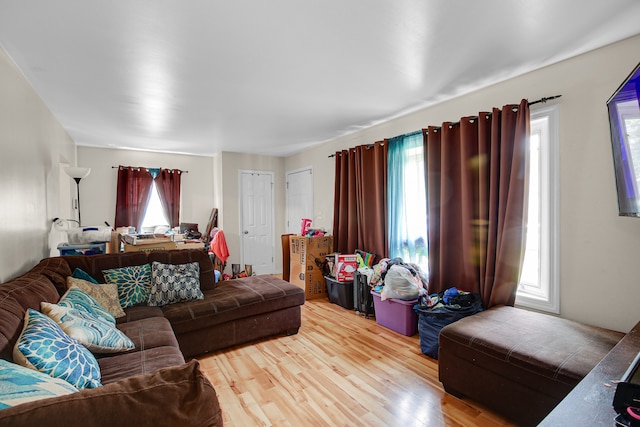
column 339, row 370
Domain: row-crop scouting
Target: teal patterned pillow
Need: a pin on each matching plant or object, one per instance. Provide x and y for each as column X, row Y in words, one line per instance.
column 43, row 346
column 80, row 300
column 171, row 283
column 92, row 332
column 21, row 385
column 133, row 283
column 79, row 273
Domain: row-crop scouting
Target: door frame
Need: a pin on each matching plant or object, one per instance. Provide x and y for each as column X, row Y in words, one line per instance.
column 241, row 219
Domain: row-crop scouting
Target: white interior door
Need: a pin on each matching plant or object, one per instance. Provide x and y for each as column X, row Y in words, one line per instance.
column 299, row 198
column 256, row 212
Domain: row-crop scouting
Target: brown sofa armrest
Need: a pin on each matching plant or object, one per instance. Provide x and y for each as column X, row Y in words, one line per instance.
column 179, row 394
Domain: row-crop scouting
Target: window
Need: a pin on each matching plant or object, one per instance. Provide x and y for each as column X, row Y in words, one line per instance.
column 407, row 204
column 539, row 287
column 154, row 214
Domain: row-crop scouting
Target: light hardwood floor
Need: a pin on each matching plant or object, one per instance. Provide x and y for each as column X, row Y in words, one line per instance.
column 339, row 370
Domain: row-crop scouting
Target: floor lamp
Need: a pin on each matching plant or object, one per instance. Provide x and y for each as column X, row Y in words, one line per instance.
column 77, row 174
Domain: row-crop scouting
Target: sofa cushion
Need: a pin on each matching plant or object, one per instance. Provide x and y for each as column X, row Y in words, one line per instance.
column 96, row 264
column 56, row 270
column 80, row 300
column 181, row 394
column 149, row 333
column 234, row 299
column 105, row 294
column 134, row 283
column 43, row 346
column 172, row 283
column 184, row 256
column 125, row 365
column 95, row 334
column 138, row 312
column 20, row 385
column 26, row 291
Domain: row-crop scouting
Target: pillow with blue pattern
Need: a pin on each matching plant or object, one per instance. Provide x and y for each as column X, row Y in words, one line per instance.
column 171, row 283
column 21, row 385
column 133, row 283
column 95, row 334
column 79, row 273
column 80, row 300
column 44, row 347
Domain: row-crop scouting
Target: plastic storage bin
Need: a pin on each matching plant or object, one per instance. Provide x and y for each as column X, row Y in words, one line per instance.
column 396, row 314
column 340, row 293
column 83, row 249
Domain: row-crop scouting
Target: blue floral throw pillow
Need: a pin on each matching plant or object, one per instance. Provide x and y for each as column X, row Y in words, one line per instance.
column 171, row 283
column 43, row 346
column 133, row 283
column 80, row 300
column 95, row 334
column 21, row 385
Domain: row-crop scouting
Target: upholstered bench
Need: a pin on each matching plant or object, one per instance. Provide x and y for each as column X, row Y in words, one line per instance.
column 519, row 363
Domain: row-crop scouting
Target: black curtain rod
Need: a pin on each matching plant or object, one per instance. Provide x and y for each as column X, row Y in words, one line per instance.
column 139, row 167
column 537, row 101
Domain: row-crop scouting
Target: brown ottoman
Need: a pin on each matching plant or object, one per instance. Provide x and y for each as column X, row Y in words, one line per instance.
column 519, row 363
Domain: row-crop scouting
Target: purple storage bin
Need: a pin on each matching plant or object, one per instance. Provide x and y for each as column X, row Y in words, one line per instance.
column 396, row 314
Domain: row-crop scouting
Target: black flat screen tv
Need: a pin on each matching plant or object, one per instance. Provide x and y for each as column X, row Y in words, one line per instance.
column 624, row 121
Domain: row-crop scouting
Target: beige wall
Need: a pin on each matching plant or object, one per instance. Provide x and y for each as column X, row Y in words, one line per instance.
column 98, row 190
column 599, row 269
column 32, row 145
column 600, row 272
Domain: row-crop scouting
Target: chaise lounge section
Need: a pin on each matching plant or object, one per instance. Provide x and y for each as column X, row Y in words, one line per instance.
column 519, row 363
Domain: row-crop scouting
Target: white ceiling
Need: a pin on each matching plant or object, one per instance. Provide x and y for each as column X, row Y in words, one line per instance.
column 275, row 77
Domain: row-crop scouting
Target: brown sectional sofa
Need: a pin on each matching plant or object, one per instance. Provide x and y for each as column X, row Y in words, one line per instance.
column 152, row 384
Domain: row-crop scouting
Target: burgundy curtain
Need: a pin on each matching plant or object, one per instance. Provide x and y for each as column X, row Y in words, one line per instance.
column 360, row 200
column 477, row 173
column 133, row 190
column 168, row 185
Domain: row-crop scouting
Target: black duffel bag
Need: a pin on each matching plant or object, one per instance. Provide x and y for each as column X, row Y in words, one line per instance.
column 432, row 319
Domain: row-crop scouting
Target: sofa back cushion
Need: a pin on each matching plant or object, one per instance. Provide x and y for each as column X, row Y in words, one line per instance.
column 16, row 296
column 94, row 265
column 186, row 256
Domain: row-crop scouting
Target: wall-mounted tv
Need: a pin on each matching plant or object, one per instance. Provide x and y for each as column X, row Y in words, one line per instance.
column 624, row 121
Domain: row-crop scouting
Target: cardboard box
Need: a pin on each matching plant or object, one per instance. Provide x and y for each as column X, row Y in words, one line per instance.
column 307, row 254
column 150, row 245
column 345, row 267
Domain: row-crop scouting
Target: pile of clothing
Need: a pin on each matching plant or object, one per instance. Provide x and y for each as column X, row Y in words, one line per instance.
column 393, row 278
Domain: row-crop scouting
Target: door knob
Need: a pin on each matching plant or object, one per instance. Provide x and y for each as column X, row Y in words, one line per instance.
column 246, row 232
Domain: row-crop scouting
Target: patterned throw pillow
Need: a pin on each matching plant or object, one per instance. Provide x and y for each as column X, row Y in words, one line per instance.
column 105, row 294
column 171, row 283
column 95, row 334
column 133, row 283
column 79, row 273
column 43, row 346
column 21, row 385
column 80, row 300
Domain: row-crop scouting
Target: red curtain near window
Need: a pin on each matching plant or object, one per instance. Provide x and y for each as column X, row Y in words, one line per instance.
column 168, row 185
column 360, row 200
column 477, row 196
column 133, row 191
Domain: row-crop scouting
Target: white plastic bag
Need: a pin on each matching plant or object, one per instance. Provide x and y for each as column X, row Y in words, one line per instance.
column 399, row 283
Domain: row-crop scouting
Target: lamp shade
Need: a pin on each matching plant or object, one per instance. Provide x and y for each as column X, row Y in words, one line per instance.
column 77, row 173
